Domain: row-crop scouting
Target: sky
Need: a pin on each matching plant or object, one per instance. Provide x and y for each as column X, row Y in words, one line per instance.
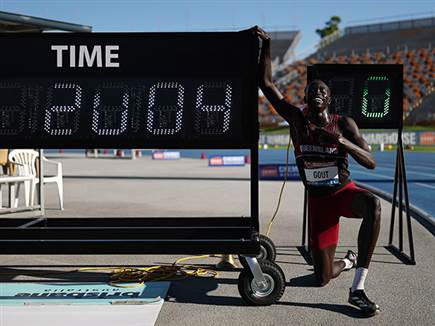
column 210, row 15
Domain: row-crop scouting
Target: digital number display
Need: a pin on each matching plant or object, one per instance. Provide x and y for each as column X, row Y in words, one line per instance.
column 371, row 94
column 185, row 90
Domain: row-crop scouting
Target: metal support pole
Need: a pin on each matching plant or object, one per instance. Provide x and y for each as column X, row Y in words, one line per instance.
column 304, row 220
column 401, row 181
column 408, row 216
column 304, row 248
column 400, row 194
column 41, row 194
column 394, row 202
column 309, row 229
column 254, row 189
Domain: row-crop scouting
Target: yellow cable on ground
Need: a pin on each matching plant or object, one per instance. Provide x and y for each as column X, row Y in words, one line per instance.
column 269, row 227
column 139, row 276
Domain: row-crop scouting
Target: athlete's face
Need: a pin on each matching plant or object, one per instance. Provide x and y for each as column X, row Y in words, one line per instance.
column 318, row 96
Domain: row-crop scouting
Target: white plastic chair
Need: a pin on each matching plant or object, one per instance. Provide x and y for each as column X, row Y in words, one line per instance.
column 25, row 160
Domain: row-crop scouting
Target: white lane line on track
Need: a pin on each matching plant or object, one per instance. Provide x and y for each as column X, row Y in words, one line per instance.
column 408, row 171
column 424, row 185
column 385, row 177
column 407, row 166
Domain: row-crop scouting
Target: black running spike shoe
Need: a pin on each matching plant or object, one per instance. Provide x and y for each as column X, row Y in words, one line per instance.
column 359, row 299
column 353, row 257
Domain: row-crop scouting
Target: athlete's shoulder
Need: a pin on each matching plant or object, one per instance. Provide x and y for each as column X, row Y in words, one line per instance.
column 346, row 120
column 347, row 124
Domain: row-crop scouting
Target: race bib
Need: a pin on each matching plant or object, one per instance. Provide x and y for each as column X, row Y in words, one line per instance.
column 321, row 174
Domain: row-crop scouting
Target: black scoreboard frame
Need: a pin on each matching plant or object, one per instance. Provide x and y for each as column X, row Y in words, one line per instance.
column 147, row 235
column 395, row 70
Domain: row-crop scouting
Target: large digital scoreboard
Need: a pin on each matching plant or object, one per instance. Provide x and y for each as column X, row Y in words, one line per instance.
column 131, row 90
column 179, row 90
column 372, row 94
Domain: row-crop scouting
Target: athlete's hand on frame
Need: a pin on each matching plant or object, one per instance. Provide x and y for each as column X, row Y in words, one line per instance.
column 256, row 30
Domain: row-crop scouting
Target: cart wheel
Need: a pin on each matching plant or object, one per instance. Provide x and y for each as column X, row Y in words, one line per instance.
column 267, row 249
column 255, row 295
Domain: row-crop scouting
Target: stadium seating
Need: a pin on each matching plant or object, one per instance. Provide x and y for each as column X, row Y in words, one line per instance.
column 419, row 76
column 407, row 42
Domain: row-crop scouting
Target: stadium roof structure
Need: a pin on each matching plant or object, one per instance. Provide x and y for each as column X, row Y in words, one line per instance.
column 284, row 44
column 385, row 36
column 17, row 23
column 426, row 22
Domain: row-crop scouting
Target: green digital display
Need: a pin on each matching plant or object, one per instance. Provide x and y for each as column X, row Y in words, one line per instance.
column 371, row 94
column 376, row 95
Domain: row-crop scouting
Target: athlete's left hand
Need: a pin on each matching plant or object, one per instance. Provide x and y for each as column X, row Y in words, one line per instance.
column 256, row 30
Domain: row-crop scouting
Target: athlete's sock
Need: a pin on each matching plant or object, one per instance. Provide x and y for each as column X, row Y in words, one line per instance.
column 360, row 277
column 347, row 264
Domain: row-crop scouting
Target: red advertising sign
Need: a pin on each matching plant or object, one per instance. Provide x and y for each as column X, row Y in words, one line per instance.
column 427, row 138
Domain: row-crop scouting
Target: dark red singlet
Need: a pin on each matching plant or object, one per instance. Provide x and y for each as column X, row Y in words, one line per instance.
column 324, row 171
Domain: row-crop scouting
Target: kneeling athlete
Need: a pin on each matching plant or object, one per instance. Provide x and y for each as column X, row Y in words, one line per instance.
column 321, row 142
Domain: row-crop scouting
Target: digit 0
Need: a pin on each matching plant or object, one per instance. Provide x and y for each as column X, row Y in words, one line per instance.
column 165, row 115
column 212, row 118
column 63, row 120
column 376, row 102
column 12, row 108
column 110, row 112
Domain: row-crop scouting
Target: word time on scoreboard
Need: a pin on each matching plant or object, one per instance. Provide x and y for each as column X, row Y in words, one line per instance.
column 176, row 90
column 372, row 94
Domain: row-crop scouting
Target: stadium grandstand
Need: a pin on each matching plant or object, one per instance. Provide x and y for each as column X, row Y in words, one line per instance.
column 17, row 23
column 407, row 42
column 283, row 46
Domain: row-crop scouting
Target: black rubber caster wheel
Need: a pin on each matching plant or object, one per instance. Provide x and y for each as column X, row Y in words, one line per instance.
column 267, row 249
column 262, row 295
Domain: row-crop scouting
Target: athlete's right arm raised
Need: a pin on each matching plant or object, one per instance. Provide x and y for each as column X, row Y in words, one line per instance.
column 269, row 89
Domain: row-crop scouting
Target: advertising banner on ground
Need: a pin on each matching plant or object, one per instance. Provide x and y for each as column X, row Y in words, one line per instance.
column 226, row 161
column 74, row 293
column 427, row 138
column 391, row 137
column 72, row 304
column 372, row 138
column 277, row 172
column 166, row 155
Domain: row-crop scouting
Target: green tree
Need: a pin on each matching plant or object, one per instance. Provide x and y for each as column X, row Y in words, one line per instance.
column 331, row 26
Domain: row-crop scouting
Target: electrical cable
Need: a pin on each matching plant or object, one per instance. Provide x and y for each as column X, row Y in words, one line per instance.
column 269, row 227
column 138, row 276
